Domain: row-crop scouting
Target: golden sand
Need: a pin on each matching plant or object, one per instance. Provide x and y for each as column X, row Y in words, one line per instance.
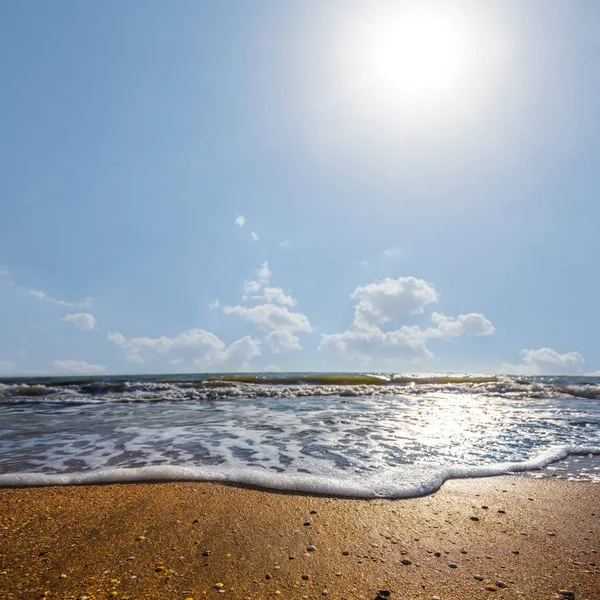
column 504, row 537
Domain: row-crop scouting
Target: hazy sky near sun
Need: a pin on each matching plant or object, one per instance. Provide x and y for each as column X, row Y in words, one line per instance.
column 327, row 186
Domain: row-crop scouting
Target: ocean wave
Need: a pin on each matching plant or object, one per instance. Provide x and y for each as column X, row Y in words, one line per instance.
column 254, row 386
column 398, row 482
column 351, row 379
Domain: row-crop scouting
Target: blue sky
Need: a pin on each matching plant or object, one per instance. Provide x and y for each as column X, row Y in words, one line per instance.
column 428, row 204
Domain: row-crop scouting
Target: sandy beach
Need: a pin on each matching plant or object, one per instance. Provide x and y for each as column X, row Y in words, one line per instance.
column 504, row 537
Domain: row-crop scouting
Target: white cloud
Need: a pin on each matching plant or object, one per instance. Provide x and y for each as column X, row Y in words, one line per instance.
column 393, row 252
column 77, row 367
column 237, row 354
column 368, row 346
column 272, row 315
column 116, row 337
column 214, row 304
column 264, row 273
column 545, row 361
column 254, row 236
column 255, row 285
column 285, row 244
column 396, row 253
column 393, row 301
column 40, row 295
column 4, row 271
column 275, row 296
column 7, row 366
column 196, row 347
column 473, row 324
column 43, row 296
column 240, row 221
column 251, row 287
column 283, row 340
column 83, row 321
column 390, row 300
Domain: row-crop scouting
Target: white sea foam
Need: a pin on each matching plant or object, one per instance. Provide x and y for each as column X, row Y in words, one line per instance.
column 332, row 434
column 94, row 392
column 399, row 482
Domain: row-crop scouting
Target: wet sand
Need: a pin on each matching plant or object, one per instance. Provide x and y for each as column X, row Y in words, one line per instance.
column 503, row 537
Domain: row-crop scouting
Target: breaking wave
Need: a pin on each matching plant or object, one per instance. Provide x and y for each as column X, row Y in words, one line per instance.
column 170, row 388
column 362, row 435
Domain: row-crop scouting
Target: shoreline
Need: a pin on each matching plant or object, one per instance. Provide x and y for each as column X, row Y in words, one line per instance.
column 514, row 476
column 417, row 485
column 506, row 537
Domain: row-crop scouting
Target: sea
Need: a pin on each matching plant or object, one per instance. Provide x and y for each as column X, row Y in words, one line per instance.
column 366, row 435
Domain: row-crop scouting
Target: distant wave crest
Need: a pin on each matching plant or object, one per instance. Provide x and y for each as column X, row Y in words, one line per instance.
column 216, row 387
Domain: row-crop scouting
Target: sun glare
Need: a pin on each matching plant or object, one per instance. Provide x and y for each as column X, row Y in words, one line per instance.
column 414, row 54
column 407, row 55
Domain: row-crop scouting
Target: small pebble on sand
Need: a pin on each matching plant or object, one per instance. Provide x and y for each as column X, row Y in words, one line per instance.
column 491, row 587
column 219, row 586
column 453, row 565
column 435, row 598
column 500, row 584
column 438, row 554
column 345, row 553
column 62, row 576
column 305, row 577
column 478, row 577
column 406, row 562
column 311, row 548
column 474, row 518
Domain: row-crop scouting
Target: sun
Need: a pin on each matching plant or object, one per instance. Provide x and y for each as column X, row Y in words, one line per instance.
column 399, row 81
column 407, row 53
column 416, row 53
